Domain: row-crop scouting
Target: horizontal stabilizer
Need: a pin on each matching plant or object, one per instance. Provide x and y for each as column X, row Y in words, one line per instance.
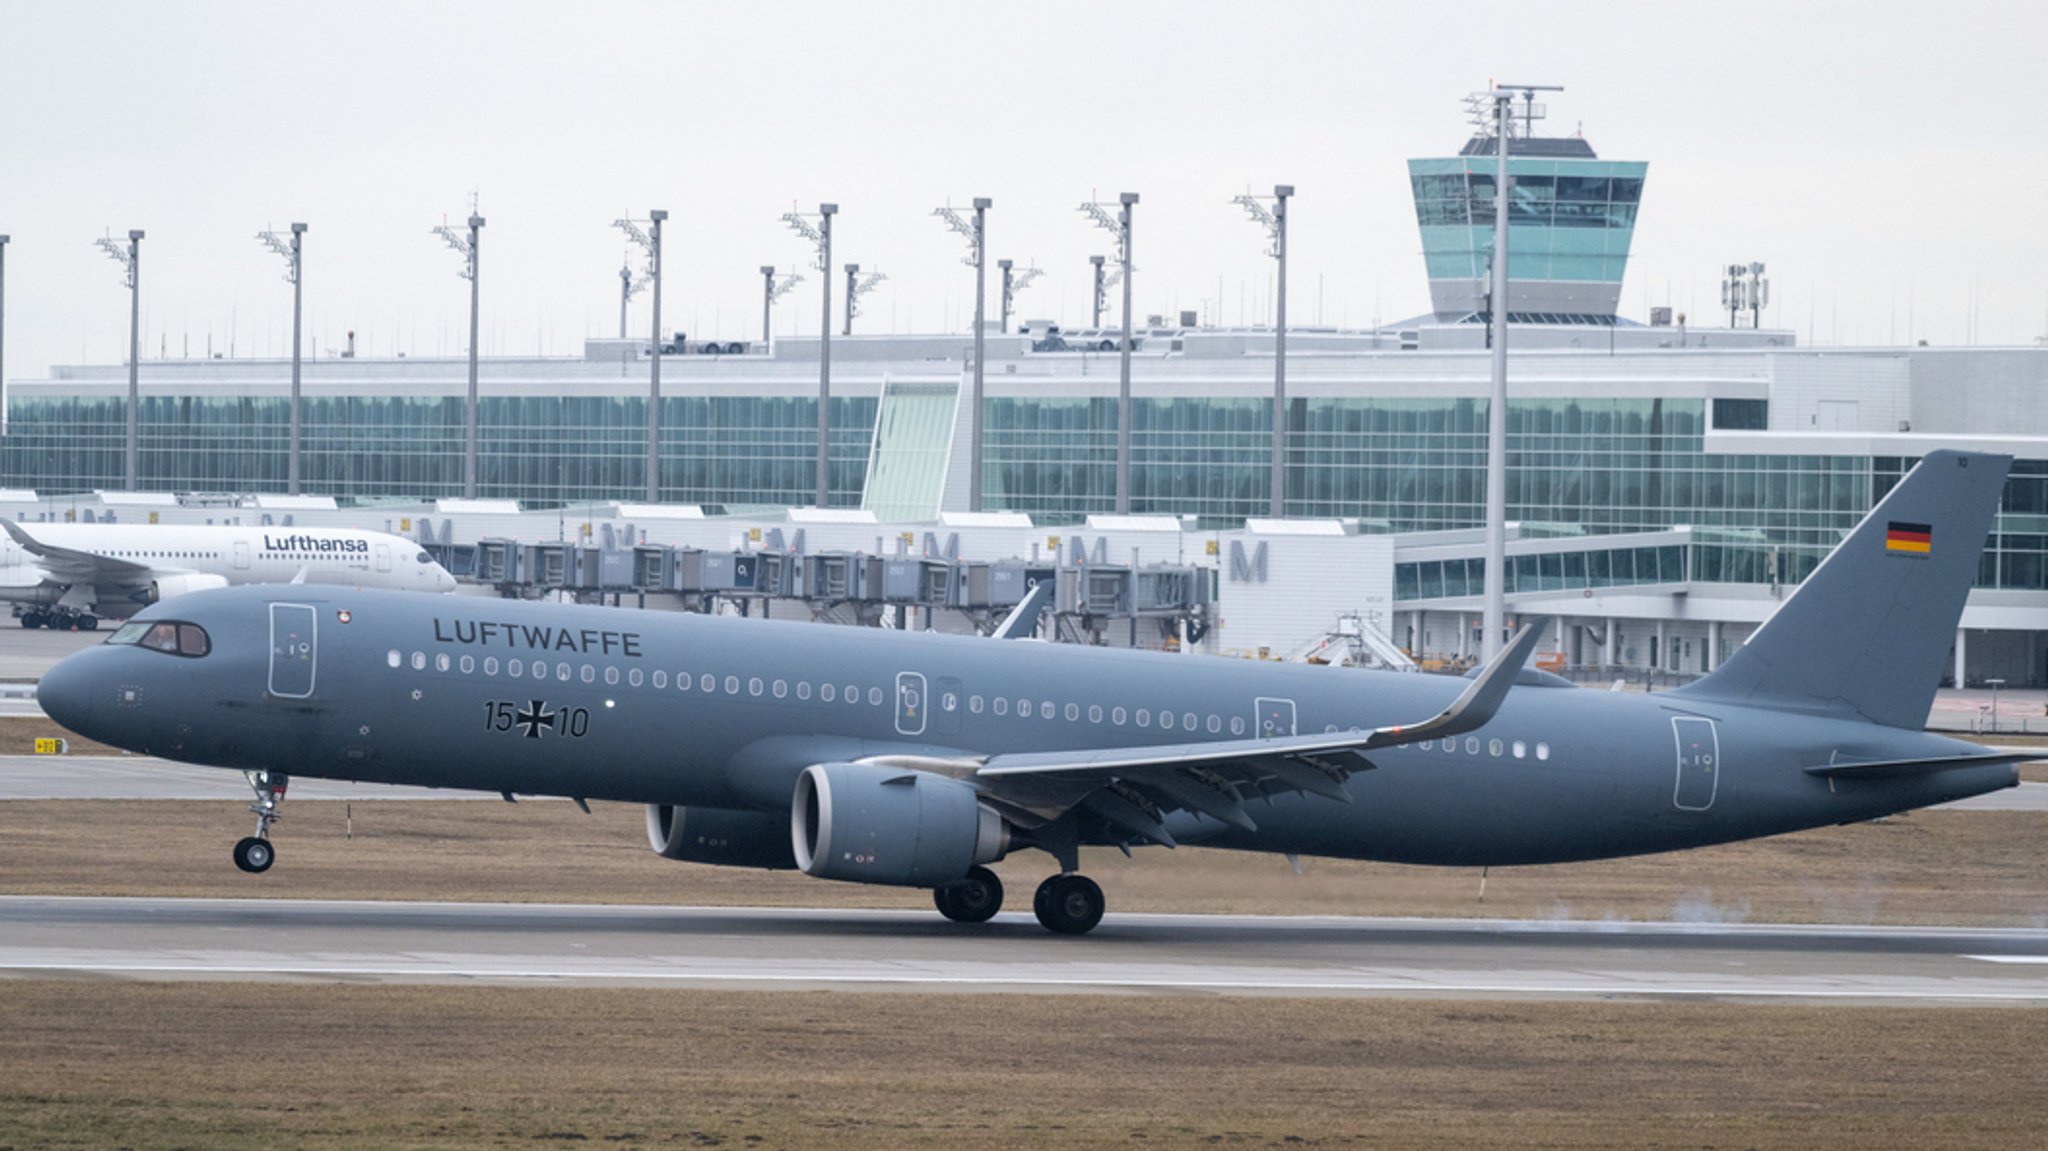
column 1897, row 768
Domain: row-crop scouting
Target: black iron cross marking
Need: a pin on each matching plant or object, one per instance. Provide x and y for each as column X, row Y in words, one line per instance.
column 536, row 719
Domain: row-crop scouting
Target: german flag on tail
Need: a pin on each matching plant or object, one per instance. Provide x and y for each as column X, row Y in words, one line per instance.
column 1911, row 539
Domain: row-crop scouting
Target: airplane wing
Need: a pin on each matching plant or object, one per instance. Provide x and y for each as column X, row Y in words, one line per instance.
column 71, row 566
column 1131, row 787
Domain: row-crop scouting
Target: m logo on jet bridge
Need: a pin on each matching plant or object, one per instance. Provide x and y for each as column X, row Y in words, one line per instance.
column 1247, row 570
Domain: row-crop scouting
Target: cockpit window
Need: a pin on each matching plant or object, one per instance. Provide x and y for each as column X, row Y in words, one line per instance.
column 168, row 636
column 423, row 558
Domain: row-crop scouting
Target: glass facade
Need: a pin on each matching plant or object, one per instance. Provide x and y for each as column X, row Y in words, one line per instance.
column 538, row 449
column 1582, row 466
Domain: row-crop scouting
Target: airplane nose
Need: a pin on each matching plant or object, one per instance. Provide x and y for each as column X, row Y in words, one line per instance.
column 65, row 694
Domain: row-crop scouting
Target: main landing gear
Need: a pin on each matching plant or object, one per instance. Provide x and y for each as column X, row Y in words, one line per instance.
column 1068, row 903
column 254, row 853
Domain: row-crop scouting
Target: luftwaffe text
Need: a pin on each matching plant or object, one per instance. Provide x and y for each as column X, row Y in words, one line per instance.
column 526, row 637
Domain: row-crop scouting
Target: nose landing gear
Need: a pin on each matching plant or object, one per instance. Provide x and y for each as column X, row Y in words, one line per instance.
column 254, row 853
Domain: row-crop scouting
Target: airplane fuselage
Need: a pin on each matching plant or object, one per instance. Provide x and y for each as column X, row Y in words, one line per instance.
column 689, row 710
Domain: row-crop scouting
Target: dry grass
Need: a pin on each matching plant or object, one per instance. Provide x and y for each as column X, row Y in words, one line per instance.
column 1972, row 868
column 229, row 1066
column 18, row 735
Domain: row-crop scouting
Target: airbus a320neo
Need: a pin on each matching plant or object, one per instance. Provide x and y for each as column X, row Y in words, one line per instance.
column 913, row 759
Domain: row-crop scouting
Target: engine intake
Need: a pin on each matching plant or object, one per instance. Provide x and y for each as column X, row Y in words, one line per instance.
column 717, row 835
column 874, row 824
column 167, row 586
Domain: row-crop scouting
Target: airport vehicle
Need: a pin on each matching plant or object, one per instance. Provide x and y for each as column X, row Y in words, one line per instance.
column 75, row 575
column 917, row 759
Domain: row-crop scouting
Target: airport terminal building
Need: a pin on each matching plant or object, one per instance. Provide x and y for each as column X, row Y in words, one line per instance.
column 1667, row 484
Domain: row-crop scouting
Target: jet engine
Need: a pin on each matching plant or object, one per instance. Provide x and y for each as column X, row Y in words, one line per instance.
column 716, row 835
column 874, row 824
column 164, row 587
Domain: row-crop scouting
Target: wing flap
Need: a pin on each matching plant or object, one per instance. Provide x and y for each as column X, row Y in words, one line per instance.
column 71, row 566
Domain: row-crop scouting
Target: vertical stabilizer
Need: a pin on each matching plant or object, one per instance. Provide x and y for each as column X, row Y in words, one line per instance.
column 1867, row 633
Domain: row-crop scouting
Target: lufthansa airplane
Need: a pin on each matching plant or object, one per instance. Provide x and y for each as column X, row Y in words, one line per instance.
column 917, row 760
column 74, row 575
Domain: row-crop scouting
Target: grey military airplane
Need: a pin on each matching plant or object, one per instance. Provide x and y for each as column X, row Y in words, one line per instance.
column 915, row 759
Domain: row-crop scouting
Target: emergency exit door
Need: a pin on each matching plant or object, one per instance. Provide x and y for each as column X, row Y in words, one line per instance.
column 291, row 650
column 1699, row 763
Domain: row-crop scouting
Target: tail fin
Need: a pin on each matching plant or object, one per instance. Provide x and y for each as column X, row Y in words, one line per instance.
column 1866, row 634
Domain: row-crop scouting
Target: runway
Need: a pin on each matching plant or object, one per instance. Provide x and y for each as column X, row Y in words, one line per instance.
column 141, row 777
column 560, row 945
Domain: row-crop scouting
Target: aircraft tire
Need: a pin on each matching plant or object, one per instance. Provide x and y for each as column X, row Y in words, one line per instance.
column 88, row 623
column 1069, row 904
column 254, row 855
column 974, row 899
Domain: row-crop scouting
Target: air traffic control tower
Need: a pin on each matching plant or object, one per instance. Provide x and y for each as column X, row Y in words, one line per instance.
column 1571, row 216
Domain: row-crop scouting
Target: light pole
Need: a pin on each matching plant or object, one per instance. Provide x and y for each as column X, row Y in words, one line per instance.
column 977, row 258
column 130, row 258
column 466, row 247
column 1120, row 226
column 773, row 288
column 852, row 283
column 1101, row 291
column 1003, row 324
column 820, row 234
column 649, row 240
column 1275, row 223
column 1494, row 616
column 292, row 251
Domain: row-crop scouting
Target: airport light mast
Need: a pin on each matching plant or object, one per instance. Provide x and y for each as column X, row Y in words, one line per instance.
column 820, row 234
column 977, row 258
column 466, row 247
column 130, row 259
column 649, row 239
column 630, row 285
column 1119, row 225
column 773, row 288
column 858, row 285
column 1502, row 101
column 1275, row 223
column 1015, row 280
column 292, row 250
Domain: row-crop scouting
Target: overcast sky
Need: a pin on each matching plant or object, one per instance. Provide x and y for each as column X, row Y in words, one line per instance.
column 1886, row 160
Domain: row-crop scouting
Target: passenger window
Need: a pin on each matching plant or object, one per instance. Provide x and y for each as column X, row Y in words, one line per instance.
column 1426, row 745
column 874, row 697
column 513, row 668
column 1187, row 720
column 707, row 683
column 1144, row 718
column 441, row 661
column 949, row 701
column 611, row 676
column 660, row 679
column 633, row 678
column 1216, row 724
column 1237, row 725
column 1002, row 706
column 803, row 689
column 392, row 658
column 1046, row 710
column 853, row 695
column 974, row 704
column 1471, row 745
column 826, row 692
column 468, row 664
column 1521, row 749
column 419, row 661
column 1094, row 713
column 1116, row 716
column 1023, row 709
column 563, row 671
column 754, row 685
column 490, row 665
column 1073, row 712
column 780, row 688
column 1542, row 749
column 1493, row 748
column 1165, row 720
column 732, row 685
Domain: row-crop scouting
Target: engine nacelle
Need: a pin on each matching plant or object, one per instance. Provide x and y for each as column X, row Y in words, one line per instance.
column 164, row 587
column 874, row 824
column 716, row 835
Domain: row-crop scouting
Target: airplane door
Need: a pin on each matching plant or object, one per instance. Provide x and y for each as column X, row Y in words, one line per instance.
column 1699, row 763
column 242, row 555
column 948, row 698
column 910, row 703
column 383, row 557
column 291, row 650
column 1275, row 717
